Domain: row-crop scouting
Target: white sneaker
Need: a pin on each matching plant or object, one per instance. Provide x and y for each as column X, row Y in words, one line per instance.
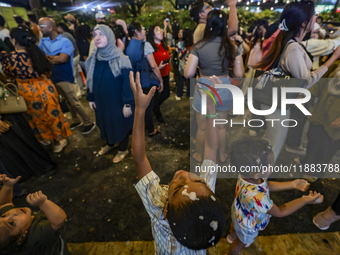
column 58, row 148
column 252, row 132
column 178, row 98
column 172, row 80
column 297, row 150
column 45, row 142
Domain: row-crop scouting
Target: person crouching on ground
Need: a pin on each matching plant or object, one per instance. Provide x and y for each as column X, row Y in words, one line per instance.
column 22, row 232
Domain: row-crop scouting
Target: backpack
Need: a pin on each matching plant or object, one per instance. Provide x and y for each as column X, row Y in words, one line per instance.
column 148, row 78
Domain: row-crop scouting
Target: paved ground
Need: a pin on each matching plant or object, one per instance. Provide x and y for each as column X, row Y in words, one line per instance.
column 292, row 244
column 103, row 206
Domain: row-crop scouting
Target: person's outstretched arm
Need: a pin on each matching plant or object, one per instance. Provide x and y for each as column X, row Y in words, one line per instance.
column 55, row 215
column 142, row 101
column 211, row 139
column 233, row 20
column 292, row 206
column 6, row 193
column 298, row 184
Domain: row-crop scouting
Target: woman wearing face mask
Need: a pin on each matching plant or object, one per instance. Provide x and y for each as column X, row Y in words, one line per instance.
column 109, row 92
column 134, row 51
column 162, row 57
column 296, row 21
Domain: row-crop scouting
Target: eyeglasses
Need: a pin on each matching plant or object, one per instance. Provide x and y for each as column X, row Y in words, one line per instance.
column 159, row 30
column 43, row 26
column 205, row 7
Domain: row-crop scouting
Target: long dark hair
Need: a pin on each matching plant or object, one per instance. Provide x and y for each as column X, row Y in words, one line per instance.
column 258, row 36
column 40, row 63
column 65, row 28
column 216, row 26
column 294, row 14
column 151, row 38
column 188, row 39
column 132, row 27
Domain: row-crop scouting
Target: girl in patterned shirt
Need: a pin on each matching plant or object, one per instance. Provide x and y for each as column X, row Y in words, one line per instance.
column 252, row 207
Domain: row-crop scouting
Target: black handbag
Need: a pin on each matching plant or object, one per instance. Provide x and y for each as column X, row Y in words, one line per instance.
column 63, row 105
column 263, row 83
column 148, row 78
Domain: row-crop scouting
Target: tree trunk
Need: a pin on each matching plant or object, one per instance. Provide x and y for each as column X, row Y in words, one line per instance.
column 335, row 8
column 36, row 8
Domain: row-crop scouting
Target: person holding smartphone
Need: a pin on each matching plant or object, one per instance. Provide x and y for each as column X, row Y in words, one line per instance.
column 162, row 58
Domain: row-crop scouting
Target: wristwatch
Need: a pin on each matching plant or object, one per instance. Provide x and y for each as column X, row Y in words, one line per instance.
column 127, row 105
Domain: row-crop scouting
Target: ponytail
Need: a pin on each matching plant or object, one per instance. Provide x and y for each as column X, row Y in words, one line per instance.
column 25, row 39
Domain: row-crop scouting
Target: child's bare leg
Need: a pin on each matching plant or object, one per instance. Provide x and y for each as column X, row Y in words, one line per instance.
column 222, row 137
column 236, row 247
column 200, row 137
column 232, row 236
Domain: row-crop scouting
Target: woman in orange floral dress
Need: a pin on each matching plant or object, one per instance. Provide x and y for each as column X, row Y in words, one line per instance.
column 29, row 66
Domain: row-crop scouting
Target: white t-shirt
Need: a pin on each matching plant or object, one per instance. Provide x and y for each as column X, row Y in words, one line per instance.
column 4, row 33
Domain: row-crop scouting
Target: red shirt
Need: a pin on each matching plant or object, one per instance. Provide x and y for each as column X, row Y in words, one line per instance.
column 160, row 56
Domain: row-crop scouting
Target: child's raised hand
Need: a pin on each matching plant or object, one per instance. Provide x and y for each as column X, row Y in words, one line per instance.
column 301, row 184
column 313, row 198
column 36, row 199
column 9, row 182
column 142, row 101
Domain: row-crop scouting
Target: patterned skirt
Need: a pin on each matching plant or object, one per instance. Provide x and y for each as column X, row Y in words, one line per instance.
column 44, row 114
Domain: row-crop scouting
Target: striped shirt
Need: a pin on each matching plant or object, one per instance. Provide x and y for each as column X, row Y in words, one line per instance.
column 154, row 197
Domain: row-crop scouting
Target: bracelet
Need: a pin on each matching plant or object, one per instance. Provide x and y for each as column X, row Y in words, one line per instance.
column 213, row 115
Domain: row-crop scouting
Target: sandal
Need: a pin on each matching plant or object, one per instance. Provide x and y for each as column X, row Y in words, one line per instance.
column 105, row 149
column 157, row 132
column 225, row 161
column 192, row 156
column 120, row 156
column 310, row 178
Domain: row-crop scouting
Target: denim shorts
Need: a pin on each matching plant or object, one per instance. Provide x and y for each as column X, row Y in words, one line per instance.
column 225, row 95
column 245, row 236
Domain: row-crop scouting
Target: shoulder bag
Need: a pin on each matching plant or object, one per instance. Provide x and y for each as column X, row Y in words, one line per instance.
column 263, row 83
column 11, row 103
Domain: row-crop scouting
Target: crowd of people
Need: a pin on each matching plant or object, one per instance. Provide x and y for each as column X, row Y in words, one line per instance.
column 124, row 71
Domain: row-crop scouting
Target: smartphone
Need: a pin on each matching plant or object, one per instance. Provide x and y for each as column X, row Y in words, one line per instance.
column 167, row 19
column 166, row 61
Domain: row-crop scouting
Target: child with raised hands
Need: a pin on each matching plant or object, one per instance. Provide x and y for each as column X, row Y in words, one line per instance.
column 186, row 217
column 24, row 232
column 252, row 207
